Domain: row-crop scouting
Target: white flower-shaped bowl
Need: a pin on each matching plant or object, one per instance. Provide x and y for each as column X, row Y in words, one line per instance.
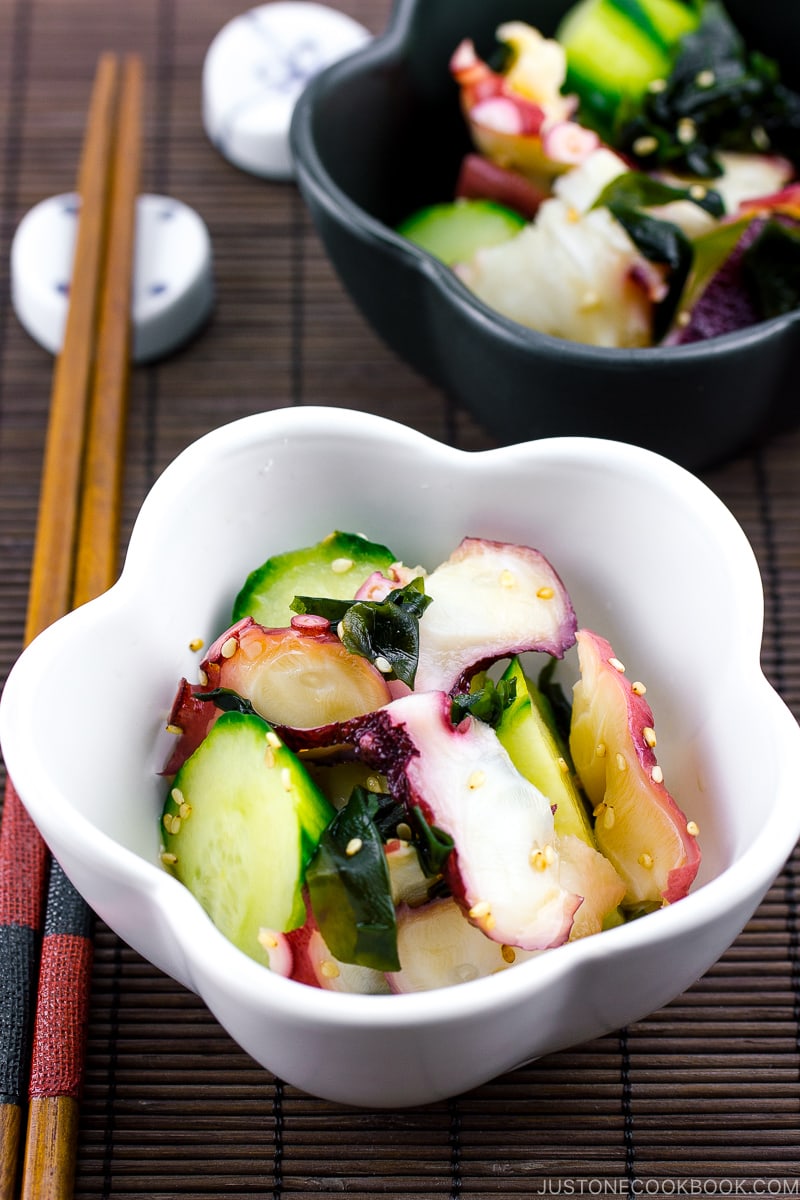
column 652, row 560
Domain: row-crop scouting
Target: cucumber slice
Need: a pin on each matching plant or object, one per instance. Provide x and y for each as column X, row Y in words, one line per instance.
column 335, row 568
column 241, row 823
column 616, row 48
column 454, row 231
column 526, row 731
column 534, row 750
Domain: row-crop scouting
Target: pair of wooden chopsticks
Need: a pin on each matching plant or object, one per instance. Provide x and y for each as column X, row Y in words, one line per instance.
column 45, row 928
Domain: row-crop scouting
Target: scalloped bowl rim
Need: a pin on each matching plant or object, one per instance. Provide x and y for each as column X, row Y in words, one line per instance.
column 748, row 876
column 391, row 45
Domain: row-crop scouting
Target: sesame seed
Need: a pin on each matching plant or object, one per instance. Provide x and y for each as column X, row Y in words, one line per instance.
column 353, row 846
column 273, row 740
column 621, row 763
column 329, row 969
column 706, row 78
column 267, row 939
column 692, row 828
column 403, row 831
column 686, row 131
column 645, row 860
column 698, row 192
column 374, row 783
column 176, row 729
column 761, row 139
column 617, row 665
column 340, row 630
column 269, row 758
column 228, row 647
column 185, row 811
column 286, row 779
column 546, row 593
column 202, row 678
column 340, row 566
column 509, row 954
column 490, row 922
column 383, row 665
column 169, row 859
column 480, row 909
column 638, row 688
column 609, row 817
column 549, row 855
column 599, row 809
column 476, row 780
column 538, row 860
column 177, row 795
column 175, row 825
column 600, row 750
column 657, row 775
column 573, row 216
column 649, row 735
column 563, row 765
column 166, row 821
column 507, row 579
column 645, row 145
column 196, row 644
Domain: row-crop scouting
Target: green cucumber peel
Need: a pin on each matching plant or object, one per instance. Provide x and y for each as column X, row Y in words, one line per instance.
column 555, row 708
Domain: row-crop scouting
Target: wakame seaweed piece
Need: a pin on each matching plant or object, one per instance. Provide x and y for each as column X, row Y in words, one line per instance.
column 636, row 190
column 387, row 631
column 227, row 700
column 322, row 606
column 386, row 812
column 433, row 845
column 350, row 891
column 771, row 269
column 718, row 96
column 659, row 242
column 488, row 703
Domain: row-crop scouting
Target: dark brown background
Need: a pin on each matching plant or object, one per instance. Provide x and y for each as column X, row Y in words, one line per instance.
column 702, row 1095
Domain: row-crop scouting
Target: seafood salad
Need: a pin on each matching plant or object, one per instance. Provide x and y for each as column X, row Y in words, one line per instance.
column 377, row 783
column 632, row 180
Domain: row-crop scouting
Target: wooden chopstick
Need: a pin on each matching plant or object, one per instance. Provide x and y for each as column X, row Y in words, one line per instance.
column 74, row 560
column 59, row 498
column 62, row 1012
column 23, row 857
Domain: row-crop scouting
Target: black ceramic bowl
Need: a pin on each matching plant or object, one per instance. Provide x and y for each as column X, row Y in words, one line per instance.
column 380, row 134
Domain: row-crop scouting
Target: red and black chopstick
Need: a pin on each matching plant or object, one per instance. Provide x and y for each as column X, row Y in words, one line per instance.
column 45, row 926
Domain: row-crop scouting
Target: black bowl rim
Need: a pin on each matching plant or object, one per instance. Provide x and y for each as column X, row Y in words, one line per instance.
column 391, row 46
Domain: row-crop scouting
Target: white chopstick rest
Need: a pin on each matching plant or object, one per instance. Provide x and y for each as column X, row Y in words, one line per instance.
column 173, row 288
column 255, row 70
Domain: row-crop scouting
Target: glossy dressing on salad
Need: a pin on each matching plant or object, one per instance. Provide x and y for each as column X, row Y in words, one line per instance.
column 360, row 804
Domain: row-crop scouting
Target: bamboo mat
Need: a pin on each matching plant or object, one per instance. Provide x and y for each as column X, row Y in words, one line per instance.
column 703, row 1097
